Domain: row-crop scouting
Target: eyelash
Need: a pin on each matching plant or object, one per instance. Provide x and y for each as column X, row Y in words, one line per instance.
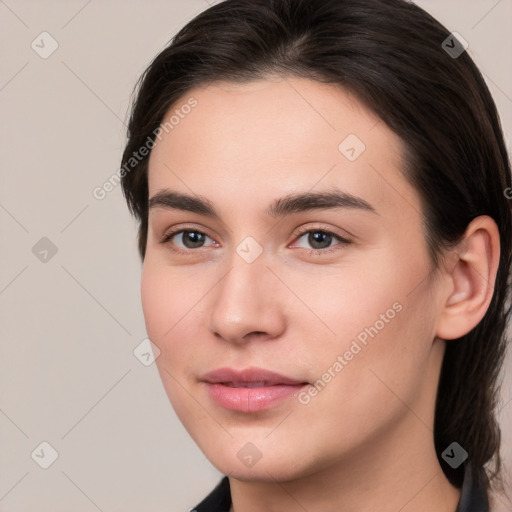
column 312, row 252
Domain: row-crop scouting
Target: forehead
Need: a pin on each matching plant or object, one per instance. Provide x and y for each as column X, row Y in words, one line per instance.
column 262, row 139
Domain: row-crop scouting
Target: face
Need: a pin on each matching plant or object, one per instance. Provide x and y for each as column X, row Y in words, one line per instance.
column 300, row 252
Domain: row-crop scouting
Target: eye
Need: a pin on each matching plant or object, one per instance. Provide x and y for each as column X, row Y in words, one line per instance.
column 321, row 240
column 186, row 239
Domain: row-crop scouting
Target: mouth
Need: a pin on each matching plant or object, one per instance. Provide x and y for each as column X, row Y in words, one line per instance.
column 260, row 384
column 249, row 377
column 250, row 390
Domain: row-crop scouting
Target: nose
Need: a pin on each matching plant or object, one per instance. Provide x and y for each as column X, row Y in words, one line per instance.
column 248, row 303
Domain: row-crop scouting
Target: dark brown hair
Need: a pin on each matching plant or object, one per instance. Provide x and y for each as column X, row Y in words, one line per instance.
column 390, row 54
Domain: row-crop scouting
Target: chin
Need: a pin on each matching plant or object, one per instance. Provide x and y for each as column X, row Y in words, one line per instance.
column 270, row 468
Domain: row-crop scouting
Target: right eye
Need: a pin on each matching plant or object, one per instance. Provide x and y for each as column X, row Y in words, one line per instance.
column 185, row 240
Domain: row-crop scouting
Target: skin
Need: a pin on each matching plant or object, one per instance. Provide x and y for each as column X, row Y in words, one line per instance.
column 365, row 441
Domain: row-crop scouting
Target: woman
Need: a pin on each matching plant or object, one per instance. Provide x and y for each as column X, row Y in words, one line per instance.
column 321, row 187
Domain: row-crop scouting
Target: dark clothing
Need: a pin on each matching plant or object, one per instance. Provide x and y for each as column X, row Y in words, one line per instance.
column 473, row 495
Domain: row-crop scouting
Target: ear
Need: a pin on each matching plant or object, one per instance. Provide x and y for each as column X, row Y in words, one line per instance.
column 469, row 280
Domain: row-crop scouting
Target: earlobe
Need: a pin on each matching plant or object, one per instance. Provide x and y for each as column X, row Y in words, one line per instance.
column 470, row 279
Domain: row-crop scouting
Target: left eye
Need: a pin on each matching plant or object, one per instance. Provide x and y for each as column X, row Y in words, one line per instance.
column 319, row 239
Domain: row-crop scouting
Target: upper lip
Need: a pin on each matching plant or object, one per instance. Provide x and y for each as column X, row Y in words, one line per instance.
column 246, row 376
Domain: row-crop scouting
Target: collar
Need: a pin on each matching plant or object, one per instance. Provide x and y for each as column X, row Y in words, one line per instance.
column 473, row 496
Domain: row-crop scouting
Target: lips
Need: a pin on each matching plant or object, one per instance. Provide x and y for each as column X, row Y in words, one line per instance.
column 240, row 384
column 248, row 378
column 251, row 390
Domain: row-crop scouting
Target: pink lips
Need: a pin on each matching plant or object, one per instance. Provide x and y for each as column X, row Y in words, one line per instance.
column 250, row 390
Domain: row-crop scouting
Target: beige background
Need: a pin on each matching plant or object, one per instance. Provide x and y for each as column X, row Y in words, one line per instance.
column 69, row 326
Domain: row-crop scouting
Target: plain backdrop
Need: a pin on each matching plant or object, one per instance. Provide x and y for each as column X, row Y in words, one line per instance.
column 71, row 315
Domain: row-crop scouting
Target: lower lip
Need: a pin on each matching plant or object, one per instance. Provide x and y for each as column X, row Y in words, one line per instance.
column 251, row 399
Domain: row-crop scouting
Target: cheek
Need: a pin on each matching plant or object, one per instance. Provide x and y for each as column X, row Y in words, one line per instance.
column 167, row 299
column 351, row 298
column 380, row 317
column 165, row 304
column 172, row 308
column 155, row 303
column 165, row 307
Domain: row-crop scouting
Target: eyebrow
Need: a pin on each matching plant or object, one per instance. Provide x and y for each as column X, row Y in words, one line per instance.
column 287, row 205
